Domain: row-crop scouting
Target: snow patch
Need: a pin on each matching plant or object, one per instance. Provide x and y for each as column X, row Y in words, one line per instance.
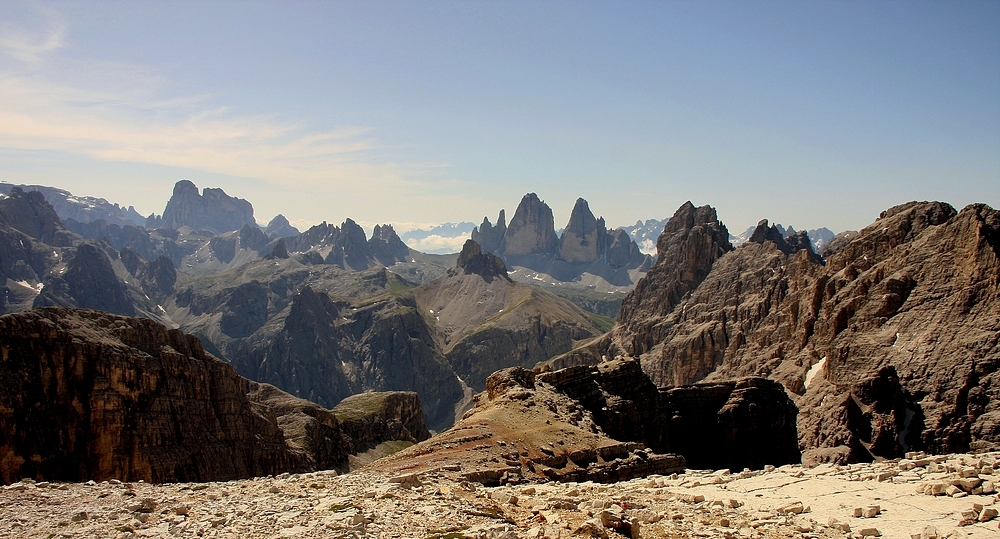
column 814, row 370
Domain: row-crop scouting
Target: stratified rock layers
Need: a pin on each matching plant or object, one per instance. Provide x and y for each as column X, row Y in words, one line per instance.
column 89, row 394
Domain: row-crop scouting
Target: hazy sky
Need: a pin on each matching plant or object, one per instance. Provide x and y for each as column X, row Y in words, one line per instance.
column 806, row 113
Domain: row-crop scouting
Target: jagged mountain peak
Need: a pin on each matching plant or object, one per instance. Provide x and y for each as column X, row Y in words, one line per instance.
column 531, row 230
column 212, row 210
column 472, row 260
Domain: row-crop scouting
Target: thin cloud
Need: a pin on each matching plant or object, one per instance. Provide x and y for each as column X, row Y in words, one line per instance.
column 30, row 46
column 110, row 126
column 438, row 244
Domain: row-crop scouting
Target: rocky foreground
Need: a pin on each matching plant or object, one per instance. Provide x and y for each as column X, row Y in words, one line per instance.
column 923, row 497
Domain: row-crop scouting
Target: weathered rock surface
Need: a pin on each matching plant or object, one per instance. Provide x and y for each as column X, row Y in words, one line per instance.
column 88, row 282
column 917, row 291
column 692, row 240
column 584, row 238
column 212, row 210
column 531, row 230
column 28, row 212
column 607, row 423
column 95, row 395
column 488, row 236
column 472, row 260
column 745, row 424
column 328, row 350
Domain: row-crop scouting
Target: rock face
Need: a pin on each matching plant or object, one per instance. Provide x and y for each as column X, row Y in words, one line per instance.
column 211, row 210
column 386, row 247
column 488, row 236
column 889, row 347
column 584, row 241
column 588, row 265
column 692, row 240
column 584, row 238
column 531, row 230
column 32, row 215
column 472, row 260
column 608, row 423
column 94, row 395
column 346, row 246
column 329, row 350
column 89, row 282
column 744, row 424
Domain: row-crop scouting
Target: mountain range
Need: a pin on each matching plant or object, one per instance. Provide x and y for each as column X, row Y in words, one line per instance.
column 884, row 343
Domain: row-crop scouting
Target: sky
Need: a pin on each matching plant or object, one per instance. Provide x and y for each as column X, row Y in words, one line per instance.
column 809, row 114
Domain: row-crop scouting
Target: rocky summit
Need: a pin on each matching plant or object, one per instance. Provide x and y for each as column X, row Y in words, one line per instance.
column 211, row 210
column 887, row 345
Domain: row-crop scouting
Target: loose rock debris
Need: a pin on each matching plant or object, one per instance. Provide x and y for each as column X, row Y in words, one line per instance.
column 897, row 498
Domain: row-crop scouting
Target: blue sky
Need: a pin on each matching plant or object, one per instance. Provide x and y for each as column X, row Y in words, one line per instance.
column 415, row 113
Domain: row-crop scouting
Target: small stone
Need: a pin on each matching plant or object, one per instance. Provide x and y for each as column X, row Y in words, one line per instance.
column 82, row 515
column 858, row 511
column 968, row 483
column 181, row 509
column 952, row 490
column 407, row 480
column 793, row 508
column 930, row 532
column 870, row 532
column 871, row 511
column 987, row 514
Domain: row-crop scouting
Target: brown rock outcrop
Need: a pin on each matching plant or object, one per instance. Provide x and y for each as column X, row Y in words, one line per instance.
column 472, row 260
column 91, row 395
column 916, row 291
column 608, row 423
column 692, row 240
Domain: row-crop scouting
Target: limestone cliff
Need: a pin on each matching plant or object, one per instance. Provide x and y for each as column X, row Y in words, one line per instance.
column 531, row 229
column 91, row 395
column 584, row 238
column 490, row 236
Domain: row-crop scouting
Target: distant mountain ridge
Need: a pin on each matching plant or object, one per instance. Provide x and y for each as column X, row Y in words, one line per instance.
column 84, row 209
column 211, row 210
column 644, row 233
column 819, row 237
column 530, row 240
